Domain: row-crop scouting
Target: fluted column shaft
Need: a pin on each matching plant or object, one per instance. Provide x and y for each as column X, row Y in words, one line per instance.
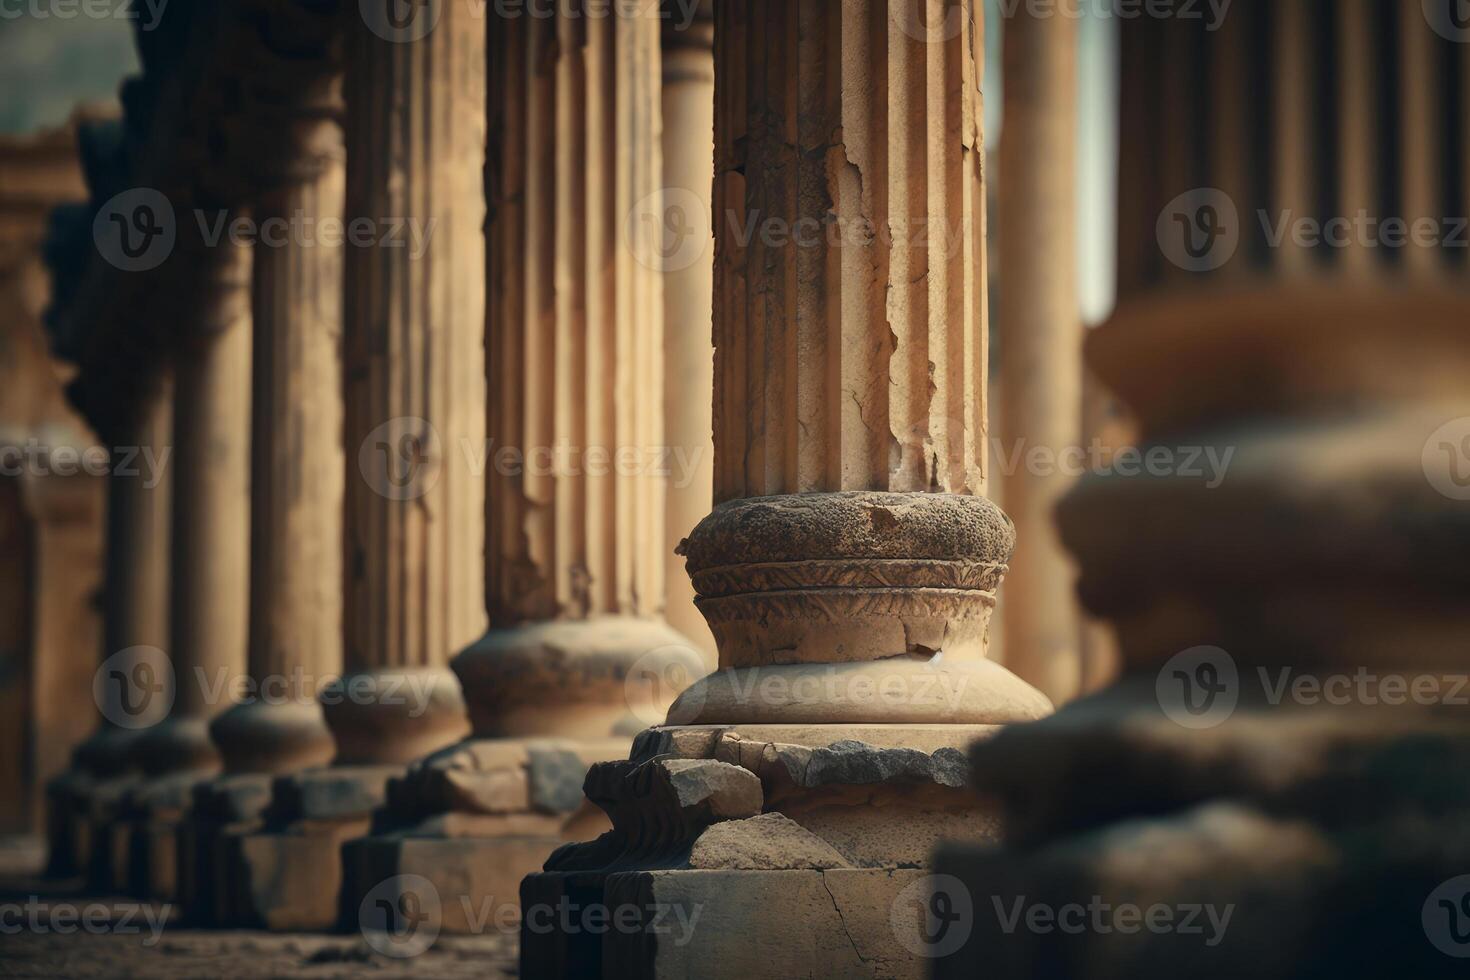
column 577, row 326
column 576, row 334
column 1040, row 341
column 415, row 384
column 850, row 363
column 209, row 543
column 850, row 328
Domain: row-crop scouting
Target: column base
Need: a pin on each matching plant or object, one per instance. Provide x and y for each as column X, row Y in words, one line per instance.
column 805, row 836
column 69, row 838
column 472, row 820
column 583, row 678
column 223, row 809
column 288, row 876
column 393, row 715
column 156, row 812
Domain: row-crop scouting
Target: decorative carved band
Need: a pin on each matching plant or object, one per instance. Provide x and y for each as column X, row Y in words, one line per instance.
column 848, row 573
column 847, row 605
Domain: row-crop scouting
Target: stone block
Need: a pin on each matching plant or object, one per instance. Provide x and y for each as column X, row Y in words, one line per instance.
column 776, row 924
column 474, row 882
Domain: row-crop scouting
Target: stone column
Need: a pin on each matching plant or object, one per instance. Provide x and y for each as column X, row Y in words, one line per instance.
column 1039, row 336
column 687, row 260
column 580, row 657
column 415, row 388
column 209, row 559
column 1291, row 621
column 413, row 323
column 849, row 570
column 297, row 498
column 135, row 636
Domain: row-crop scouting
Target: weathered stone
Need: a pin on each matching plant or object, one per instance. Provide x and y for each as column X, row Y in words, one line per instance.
column 835, row 923
column 853, row 763
column 717, row 790
column 768, row 842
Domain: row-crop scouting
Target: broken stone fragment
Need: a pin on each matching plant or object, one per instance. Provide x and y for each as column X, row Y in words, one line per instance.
column 713, row 790
column 768, row 842
column 852, row 763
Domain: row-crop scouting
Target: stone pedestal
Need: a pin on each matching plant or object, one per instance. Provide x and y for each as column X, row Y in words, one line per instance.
column 289, row 876
column 848, row 571
column 1267, row 791
column 580, row 657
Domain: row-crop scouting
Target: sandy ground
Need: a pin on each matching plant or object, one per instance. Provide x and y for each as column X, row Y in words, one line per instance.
column 51, row 929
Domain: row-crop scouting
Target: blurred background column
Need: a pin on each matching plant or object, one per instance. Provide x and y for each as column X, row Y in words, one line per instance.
column 579, row 657
column 209, row 554
column 1039, row 338
column 52, row 520
column 686, row 255
column 289, row 141
column 413, row 324
column 1283, row 559
column 135, row 636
